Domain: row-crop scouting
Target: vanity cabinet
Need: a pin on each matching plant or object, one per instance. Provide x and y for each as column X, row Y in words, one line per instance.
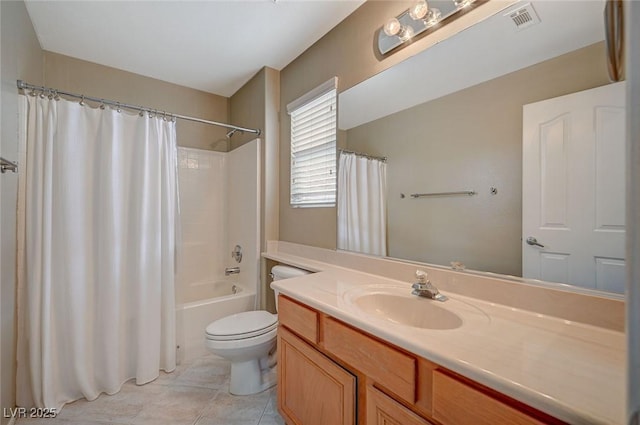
column 332, row 373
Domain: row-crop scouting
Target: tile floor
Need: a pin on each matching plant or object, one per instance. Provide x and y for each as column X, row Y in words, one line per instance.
column 196, row 393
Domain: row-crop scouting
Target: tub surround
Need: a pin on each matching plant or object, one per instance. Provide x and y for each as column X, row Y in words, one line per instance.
column 209, row 233
column 566, row 358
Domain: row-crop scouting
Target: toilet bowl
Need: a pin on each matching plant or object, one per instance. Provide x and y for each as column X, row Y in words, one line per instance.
column 248, row 340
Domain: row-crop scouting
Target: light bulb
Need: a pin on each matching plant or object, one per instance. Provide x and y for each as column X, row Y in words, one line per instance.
column 419, row 10
column 406, row 33
column 392, row 27
column 462, row 3
column 432, row 17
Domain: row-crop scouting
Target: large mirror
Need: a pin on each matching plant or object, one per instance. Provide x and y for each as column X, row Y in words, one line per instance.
column 449, row 122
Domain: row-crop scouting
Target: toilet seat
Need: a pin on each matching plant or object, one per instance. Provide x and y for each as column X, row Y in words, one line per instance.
column 268, row 338
column 244, row 325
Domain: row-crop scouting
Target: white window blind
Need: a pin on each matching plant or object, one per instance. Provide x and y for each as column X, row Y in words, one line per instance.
column 313, row 148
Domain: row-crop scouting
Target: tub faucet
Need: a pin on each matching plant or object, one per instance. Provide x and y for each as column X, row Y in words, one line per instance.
column 231, row 270
column 424, row 288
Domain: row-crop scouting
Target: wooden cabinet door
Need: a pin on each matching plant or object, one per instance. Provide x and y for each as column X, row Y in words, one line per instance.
column 312, row 390
column 382, row 410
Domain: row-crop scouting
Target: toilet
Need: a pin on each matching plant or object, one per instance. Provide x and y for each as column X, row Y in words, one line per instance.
column 248, row 340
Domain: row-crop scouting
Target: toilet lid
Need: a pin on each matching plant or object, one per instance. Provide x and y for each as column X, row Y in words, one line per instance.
column 242, row 325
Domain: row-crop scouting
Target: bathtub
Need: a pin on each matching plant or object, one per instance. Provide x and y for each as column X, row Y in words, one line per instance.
column 204, row 303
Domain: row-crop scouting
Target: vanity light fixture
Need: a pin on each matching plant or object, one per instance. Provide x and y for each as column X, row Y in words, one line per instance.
column 417, row 19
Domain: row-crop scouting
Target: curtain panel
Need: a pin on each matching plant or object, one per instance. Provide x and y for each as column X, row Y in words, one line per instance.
column 97, row 224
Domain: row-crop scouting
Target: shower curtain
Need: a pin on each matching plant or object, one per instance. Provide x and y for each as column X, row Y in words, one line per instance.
column 362, row 204
column 97, row 221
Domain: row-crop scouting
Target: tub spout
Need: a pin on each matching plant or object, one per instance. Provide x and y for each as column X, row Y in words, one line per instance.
column 231, row 270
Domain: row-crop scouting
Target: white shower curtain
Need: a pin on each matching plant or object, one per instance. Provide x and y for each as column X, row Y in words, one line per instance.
column 98, row 211
column 362, row 204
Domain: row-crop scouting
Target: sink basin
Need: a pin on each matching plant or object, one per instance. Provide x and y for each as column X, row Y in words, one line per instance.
column 407, row 310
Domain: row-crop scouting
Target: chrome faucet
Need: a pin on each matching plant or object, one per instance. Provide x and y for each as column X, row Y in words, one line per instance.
column 424, row 288
column 231, row 270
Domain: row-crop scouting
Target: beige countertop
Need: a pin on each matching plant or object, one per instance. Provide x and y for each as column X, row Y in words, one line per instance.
column 573, row 371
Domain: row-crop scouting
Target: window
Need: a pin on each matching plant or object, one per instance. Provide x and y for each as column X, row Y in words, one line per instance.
column 313, row 147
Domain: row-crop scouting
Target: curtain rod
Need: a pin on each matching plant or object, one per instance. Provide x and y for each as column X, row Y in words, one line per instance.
column 26, row 86
column 378, row 158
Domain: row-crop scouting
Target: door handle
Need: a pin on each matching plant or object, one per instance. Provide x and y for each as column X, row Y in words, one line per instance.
column 533, row 241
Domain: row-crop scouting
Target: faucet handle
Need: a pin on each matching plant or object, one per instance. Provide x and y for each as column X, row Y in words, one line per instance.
column 423, row 283
column 421, row 275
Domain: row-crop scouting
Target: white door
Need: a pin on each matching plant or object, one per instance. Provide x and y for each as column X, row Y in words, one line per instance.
column 573, row 198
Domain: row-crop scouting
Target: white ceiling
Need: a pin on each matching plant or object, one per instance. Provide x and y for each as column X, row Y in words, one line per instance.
column 482, row 52
column 214, row 46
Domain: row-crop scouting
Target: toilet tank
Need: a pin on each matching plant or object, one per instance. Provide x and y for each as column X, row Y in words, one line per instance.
column 285, row 272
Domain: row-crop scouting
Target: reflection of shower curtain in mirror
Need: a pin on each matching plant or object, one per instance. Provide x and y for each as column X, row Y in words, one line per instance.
column 96, row 246
column 362, row 204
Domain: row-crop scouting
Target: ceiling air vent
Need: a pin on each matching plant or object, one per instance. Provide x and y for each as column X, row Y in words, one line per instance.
column 524, row 17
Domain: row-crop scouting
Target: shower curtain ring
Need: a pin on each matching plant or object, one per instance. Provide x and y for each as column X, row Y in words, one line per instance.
column 164, row 116
column 102, row 106
column 56, row 96
column 118, row 107
column 82, row 100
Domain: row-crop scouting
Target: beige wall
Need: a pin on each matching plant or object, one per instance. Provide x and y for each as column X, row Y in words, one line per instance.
column 21, row 59
column 271, row 134
column 348, row 52
column 271, row 178
column 471, row 139
column 247, row 108
column 78, row 76
column 256, row 105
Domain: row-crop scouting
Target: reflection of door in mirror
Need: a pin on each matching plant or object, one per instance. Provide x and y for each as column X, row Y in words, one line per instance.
column 573, row 189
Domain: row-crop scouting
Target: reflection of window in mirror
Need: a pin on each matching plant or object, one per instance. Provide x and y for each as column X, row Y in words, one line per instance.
column 313, row 147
